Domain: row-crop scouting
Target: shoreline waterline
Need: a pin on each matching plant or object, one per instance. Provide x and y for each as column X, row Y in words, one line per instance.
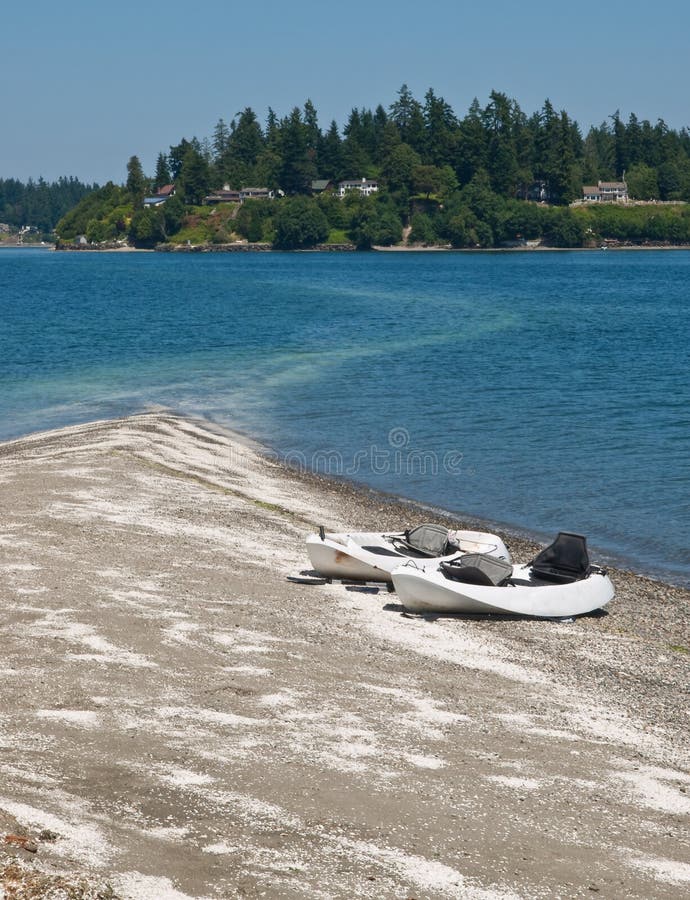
column 553, row 383
column 395, row 248
column 527, row 541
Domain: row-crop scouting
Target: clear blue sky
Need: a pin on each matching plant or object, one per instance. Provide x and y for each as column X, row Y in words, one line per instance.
column 86, row 86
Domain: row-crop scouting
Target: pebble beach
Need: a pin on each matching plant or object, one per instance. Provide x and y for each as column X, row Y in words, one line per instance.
column 179, row 720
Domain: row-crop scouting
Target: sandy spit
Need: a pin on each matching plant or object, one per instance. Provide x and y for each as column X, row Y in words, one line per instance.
column 178, row 720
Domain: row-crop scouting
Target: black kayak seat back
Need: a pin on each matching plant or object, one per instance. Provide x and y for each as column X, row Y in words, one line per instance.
column 563, row 561
column 478, row 568
column 430, row 540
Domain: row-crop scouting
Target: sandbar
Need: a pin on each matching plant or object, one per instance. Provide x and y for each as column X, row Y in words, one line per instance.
column 178, row 720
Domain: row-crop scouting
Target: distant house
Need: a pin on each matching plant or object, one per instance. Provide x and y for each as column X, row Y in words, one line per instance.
column 4, row 228
column 81, row 240
column 537, row 191
column 227, row 195
column 256, row 193
column 606, row 192
column 365, row 186
column 319, row 185
column 162, row 194
column 222, row 196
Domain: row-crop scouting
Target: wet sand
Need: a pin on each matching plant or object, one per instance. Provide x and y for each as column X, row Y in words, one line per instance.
column 178, row 720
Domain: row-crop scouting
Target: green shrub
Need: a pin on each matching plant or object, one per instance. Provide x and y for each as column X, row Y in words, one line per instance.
column 423, row 231
column 299, row 223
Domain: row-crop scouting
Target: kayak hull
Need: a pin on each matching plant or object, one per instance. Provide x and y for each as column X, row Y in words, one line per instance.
column 372, row 556
column 425, row 589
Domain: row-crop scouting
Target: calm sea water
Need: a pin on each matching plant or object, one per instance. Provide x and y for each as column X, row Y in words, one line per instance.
column 542, row 391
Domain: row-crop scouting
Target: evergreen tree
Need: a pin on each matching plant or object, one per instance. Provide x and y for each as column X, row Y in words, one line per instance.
column 379, row 131
column 267, row 169
column 473, row 153
column 598, row 156
column 246, row 139
column 298, row 169
column 176, row 156
column 272, row 129
column 620, row 145
column 162, row 176
column 441, row 130
column 243, row 146
column 502, row 163
column 330, row 155
column 389, row 139
column 407, row 114
column 649, row 150
column 643, row 182
column 633, row 141
column 558, row 147
column 195, row 176
column 399, row 167
column 566, row 181
column 357, row 161
column 137, row 183
column 312, row 130
column 368, row 136
column 221, row 138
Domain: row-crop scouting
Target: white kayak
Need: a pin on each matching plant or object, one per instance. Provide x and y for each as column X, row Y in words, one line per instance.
column 558, row 583
column 372, row 556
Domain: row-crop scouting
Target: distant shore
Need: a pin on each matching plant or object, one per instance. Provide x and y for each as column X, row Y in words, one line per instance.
column 6, row 245
column 398, row 249
column 350, row 248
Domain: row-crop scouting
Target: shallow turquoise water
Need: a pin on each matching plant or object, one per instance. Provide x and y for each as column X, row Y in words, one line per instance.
column 543, row 391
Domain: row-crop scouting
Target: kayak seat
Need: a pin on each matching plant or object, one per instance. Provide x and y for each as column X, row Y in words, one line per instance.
column 478, row 568
column 563, row 561
column 467, row 574
column 427, row 541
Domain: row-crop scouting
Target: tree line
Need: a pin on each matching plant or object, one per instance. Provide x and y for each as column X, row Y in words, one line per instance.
column 424, row 147
column 39, row 203
column 457, row 180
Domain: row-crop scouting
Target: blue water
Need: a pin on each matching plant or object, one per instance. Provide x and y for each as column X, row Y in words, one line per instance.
column 542, row 391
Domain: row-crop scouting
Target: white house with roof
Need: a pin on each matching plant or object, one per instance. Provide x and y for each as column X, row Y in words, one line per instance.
column 606, row 192
column 365, row 186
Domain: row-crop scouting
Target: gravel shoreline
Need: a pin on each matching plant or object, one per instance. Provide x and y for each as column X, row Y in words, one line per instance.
column 180, row 721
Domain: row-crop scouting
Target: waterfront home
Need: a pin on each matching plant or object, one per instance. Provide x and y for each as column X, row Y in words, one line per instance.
column 228, row 195
column 319, row 185
column 162, row 194
column 365, row 186
column 606, row 192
